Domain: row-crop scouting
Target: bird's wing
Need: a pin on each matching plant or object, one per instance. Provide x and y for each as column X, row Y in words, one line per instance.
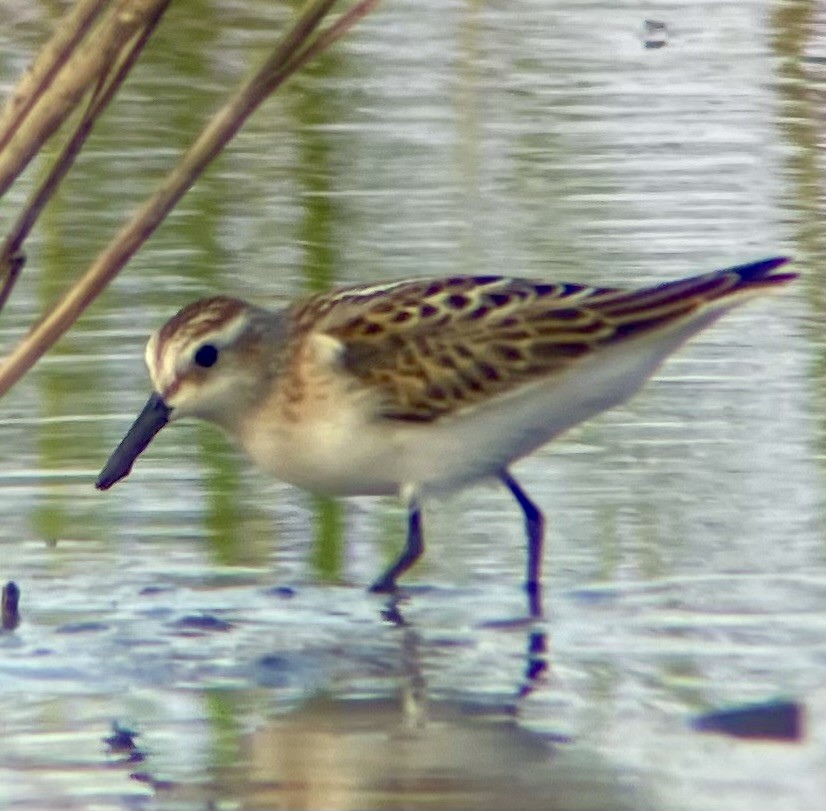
column 432, row 347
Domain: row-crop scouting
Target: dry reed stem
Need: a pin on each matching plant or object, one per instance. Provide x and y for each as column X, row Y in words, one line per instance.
column 288, row 56
column 55, row 101
column 71, row 29
column 11, row 255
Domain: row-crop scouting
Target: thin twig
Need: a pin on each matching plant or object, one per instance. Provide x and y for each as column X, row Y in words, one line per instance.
column 74, row 26
column 67, row 89
column 13, row 265
column 330, row 35
column 108, row 83
column 212, row 139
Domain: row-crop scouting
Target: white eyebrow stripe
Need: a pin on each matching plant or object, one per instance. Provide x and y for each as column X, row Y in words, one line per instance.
column 167, row 359
column 155, row 362
column 221, row 336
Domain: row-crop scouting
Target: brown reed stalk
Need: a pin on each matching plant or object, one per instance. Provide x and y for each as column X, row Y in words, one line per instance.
column 73, row 27
column 112, row 76
column 60, row 79
column 295, row 48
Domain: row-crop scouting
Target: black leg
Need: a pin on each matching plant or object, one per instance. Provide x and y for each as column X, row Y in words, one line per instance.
column 410, row 554
column 535, row 529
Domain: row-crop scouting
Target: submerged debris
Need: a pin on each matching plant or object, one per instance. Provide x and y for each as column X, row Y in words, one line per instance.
column 771, row 720
column 202, row 623
column 122, row 742
column 655, row 34
column 10, row 606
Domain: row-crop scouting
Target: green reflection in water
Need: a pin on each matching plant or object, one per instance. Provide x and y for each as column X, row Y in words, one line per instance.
column 222, row 712
column 391, row 538
column 610, row 555
column 793, row 25
column 223, row 497
column 649, row 527
column 328, row 538
column 470, row 117
column 312, row 105
column 68, row 382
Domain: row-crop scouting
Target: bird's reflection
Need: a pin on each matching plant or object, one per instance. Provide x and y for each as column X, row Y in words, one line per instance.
column 414, row 688
column 536, row 663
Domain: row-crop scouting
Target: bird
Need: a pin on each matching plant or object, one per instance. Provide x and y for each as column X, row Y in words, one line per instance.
column 421, row 386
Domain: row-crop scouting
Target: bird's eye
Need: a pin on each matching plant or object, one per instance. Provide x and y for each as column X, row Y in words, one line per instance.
column 206, row 355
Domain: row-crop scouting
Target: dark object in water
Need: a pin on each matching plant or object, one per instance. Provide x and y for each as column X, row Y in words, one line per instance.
column 202, row 622
column 122, row 742
column 772, row 720
column 90, row 627
column 10, row 606
column 122, row 739
column 655, row 34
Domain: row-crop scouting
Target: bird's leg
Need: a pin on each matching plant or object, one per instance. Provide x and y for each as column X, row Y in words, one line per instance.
column 412, row 551
column 535, row 529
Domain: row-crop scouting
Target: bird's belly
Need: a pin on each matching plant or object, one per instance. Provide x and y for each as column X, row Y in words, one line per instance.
column 325, row 456
column 380, row 458
column 374, row 458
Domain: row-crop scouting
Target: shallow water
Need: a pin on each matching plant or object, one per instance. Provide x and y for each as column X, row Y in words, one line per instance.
column 223, row 617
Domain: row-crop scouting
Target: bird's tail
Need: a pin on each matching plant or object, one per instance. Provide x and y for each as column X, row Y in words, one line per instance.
column 682, row 296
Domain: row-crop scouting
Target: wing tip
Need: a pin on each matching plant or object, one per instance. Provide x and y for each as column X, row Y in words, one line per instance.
column 762, row 271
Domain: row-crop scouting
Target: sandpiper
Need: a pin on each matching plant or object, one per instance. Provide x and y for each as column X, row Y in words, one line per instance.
column 422, row 385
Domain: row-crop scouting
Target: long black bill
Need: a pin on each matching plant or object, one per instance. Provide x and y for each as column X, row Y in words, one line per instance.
column 154, row 416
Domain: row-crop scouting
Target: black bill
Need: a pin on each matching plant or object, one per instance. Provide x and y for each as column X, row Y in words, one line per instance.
column 154, row 416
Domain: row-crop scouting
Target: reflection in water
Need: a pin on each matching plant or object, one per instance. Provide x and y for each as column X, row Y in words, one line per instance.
column 536, row 667
column 536, row 657
column 801, row 89
column 411, row 750
column 363, row 753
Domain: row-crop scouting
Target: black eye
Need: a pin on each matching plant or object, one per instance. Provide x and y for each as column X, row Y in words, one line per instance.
column 206, row 355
